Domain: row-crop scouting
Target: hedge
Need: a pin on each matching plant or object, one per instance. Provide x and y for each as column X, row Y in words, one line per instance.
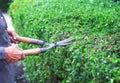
column 95, row 25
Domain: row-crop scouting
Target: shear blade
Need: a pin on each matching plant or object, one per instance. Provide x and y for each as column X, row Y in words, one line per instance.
column 65, row 41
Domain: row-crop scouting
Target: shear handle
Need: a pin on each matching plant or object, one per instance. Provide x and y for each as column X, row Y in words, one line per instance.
column 30, row 40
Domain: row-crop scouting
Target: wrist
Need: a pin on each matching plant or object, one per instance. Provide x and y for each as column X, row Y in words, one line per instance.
column 2, row 53
column 6, row 51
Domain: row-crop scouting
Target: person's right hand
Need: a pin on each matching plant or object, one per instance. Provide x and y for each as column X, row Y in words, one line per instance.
column 13, row 54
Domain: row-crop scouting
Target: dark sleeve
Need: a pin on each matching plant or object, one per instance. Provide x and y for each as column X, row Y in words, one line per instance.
column 3, row 24
column 2, row 53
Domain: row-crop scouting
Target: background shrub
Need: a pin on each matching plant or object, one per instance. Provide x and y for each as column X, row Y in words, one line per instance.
column 95, row 24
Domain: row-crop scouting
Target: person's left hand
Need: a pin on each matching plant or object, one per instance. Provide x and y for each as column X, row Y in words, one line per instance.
column 13, row 36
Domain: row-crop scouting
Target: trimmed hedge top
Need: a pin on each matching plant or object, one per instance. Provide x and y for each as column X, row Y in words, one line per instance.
column 95, row 24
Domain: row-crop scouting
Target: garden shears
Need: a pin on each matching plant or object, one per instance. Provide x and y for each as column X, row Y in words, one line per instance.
column 42, row 43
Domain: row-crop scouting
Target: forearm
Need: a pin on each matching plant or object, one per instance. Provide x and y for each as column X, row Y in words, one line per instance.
column 2, row 53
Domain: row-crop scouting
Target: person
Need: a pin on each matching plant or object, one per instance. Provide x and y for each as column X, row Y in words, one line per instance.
column 9, row 53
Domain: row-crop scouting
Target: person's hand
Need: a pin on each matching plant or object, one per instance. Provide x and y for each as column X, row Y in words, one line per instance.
column 13, row 36
column 13, row 54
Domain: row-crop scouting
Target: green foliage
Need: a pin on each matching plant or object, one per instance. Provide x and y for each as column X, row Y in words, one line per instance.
column 95, row 24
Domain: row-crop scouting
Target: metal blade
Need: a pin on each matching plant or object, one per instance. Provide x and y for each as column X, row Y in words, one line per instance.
column 65, row 42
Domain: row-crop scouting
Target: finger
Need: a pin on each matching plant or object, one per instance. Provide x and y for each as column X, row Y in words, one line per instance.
column 20, row 49
column 22, row 56
column 12, row 40
column 12, row 60
column 14, row 35
column 8, row 60
column 17, row 42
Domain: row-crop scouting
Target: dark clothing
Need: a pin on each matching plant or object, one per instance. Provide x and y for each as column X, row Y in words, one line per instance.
column 6, row 69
